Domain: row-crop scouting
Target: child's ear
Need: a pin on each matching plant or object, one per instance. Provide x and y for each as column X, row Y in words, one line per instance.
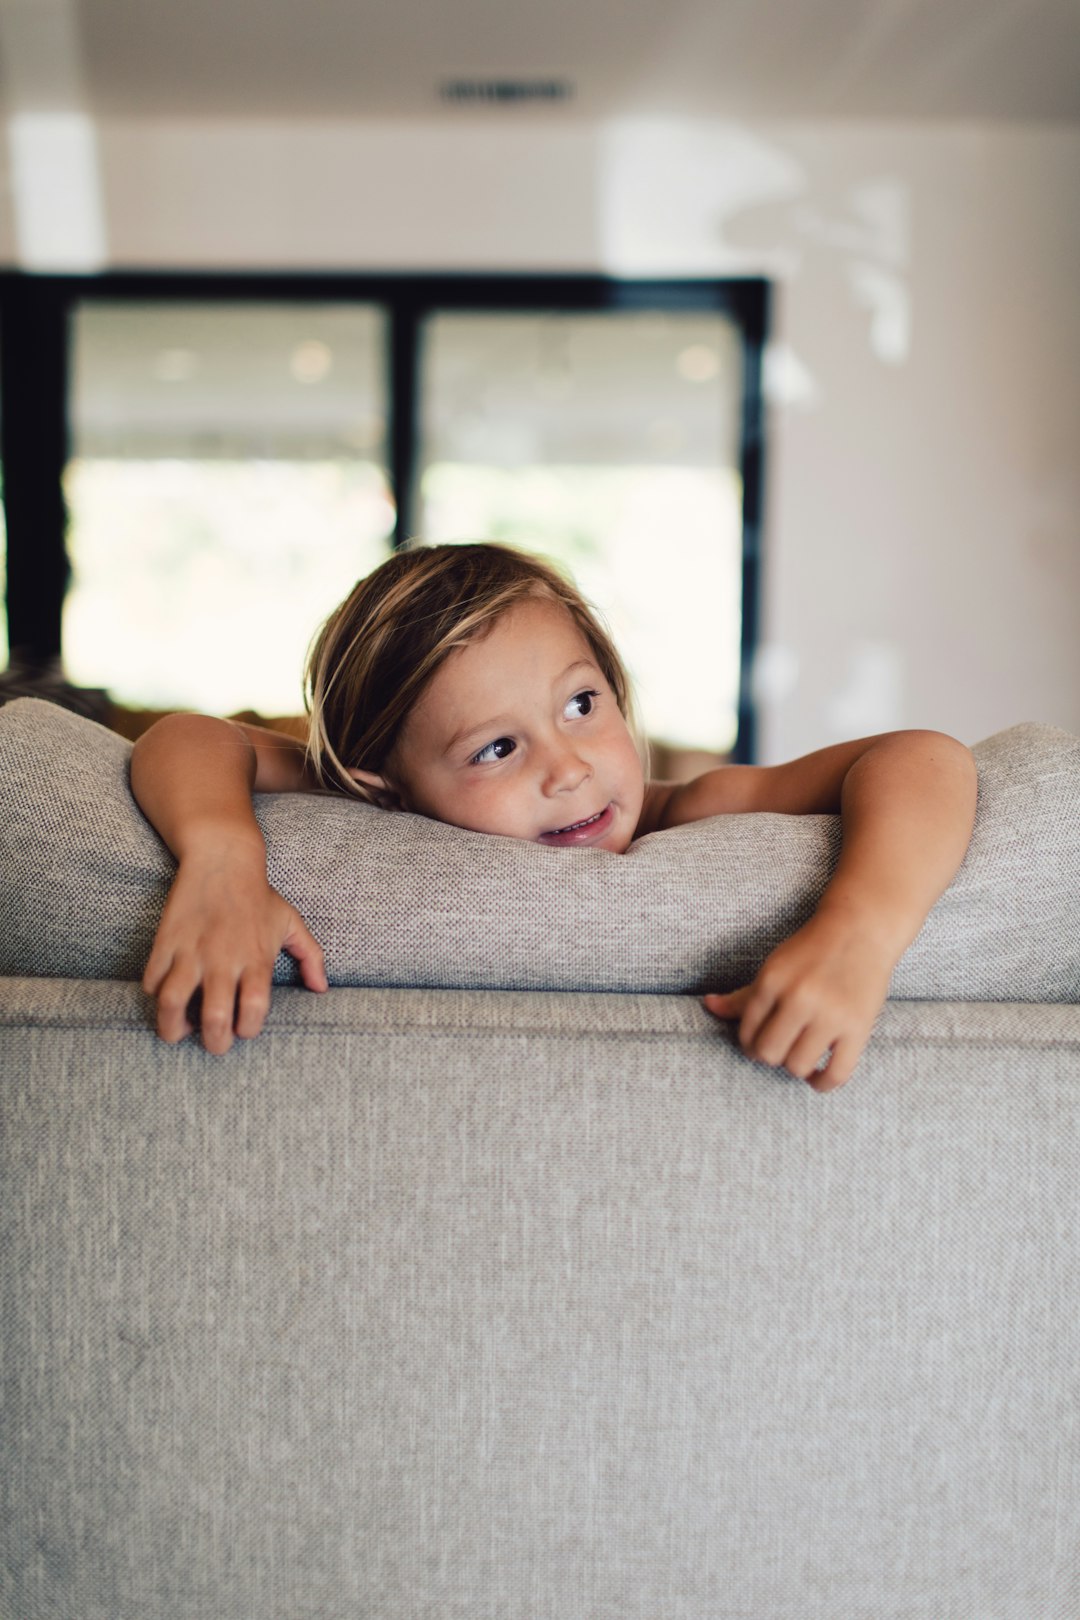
column 383, row 792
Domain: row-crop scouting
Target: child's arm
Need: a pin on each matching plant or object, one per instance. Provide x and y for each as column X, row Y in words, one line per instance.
column 907, row 802
column 223, row 925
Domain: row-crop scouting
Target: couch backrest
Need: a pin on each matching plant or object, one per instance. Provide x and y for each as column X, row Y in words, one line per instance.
column 477, row 1304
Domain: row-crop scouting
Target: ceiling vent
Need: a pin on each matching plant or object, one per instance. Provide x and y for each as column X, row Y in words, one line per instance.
column 506, row 92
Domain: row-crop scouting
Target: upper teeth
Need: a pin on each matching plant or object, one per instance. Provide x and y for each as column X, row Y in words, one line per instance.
column 574, row 825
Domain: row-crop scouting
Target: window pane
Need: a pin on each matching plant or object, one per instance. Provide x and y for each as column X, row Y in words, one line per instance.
column 227, row 489
column 609, row 442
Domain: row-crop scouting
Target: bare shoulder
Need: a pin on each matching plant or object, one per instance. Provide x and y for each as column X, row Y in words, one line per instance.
column 281, row 764
column 653, row 807
column 726, row 790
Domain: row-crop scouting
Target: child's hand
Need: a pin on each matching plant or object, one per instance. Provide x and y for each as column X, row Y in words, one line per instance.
column 820, row 991
column 221, row 930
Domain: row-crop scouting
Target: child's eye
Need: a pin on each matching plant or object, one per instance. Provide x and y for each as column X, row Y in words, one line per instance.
column 499, row 749
column 581, row 703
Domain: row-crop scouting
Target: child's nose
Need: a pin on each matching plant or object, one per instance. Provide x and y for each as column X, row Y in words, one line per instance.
column 564, row 770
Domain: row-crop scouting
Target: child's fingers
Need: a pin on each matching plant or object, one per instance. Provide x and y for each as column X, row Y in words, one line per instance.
column 772, row 1038
column 218, row 1015
column 846, row 1054
column 812, row 1045
column 302, row 945
column 752, row 1006
column 253, row 1003
column 174, row 992
column 780, row 1033
column 728, row 1005
column 158, row 964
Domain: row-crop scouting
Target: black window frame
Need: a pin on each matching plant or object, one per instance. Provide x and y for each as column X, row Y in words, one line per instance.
column 35, row 320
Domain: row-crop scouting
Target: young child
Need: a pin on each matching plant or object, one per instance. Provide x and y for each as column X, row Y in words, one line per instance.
column 472, row 684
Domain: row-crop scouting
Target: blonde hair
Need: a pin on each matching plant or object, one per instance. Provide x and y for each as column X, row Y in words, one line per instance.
column 374, row 656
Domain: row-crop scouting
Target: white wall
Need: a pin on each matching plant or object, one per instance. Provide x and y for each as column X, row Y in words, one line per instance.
column 923, row 516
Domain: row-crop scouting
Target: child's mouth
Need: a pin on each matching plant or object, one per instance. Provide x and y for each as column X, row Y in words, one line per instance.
column 588, row 831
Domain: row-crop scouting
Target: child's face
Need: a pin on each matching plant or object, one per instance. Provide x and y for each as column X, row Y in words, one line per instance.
column 519, row 733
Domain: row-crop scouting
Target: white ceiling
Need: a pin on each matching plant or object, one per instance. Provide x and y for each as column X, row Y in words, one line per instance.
column 345, row 59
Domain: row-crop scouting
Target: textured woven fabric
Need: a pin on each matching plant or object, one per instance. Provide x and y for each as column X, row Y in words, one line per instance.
column 399, row 900
column 479, row 1306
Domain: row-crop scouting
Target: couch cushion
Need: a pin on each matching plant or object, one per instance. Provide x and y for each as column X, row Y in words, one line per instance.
column 396, row 899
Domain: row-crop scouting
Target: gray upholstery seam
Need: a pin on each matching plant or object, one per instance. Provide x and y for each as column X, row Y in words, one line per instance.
column 472, row 1032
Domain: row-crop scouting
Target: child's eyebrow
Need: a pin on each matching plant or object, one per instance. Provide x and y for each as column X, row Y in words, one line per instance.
column 579, row 663
column 491, row 727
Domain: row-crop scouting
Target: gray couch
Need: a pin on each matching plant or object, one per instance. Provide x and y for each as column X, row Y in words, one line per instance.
column 507, row 1302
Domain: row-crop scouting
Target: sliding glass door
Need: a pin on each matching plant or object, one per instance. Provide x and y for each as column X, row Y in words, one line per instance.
column 227, row 487
column 611, row 442
column 199, row 467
